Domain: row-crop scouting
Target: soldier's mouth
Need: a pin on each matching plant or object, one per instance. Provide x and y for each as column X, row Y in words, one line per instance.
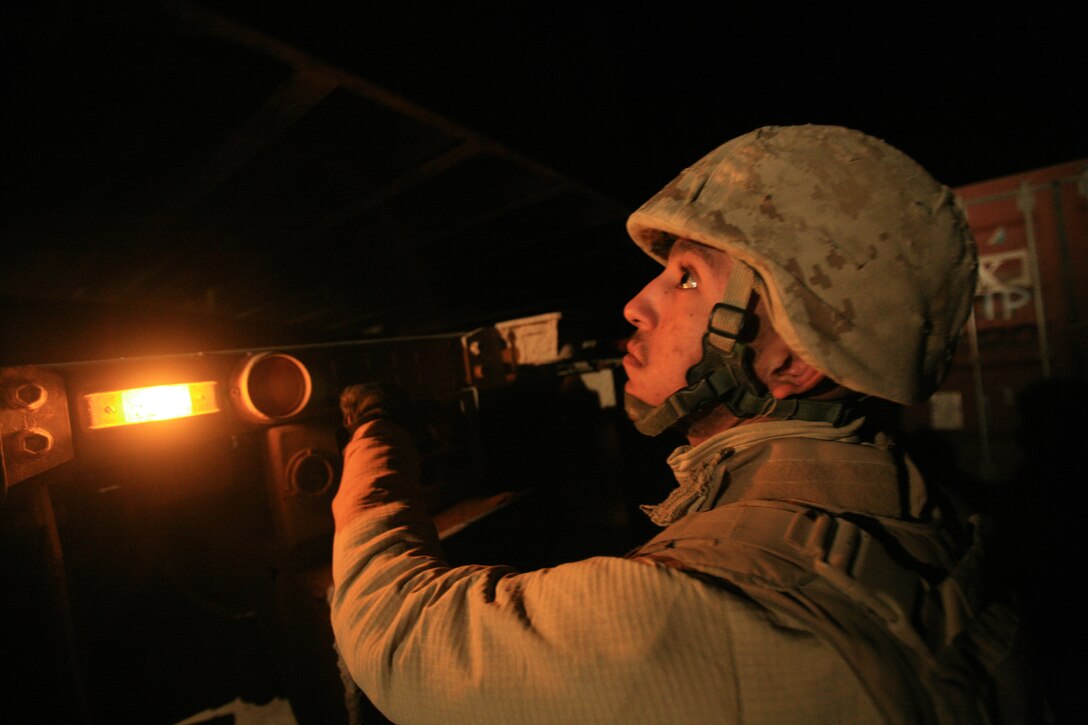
column 635, row 352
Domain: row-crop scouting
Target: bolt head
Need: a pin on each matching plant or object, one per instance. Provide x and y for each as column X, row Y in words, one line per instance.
column 35, row 442
column 28, row 395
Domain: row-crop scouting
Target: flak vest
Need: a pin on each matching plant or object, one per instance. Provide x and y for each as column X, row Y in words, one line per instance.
column 907, row 604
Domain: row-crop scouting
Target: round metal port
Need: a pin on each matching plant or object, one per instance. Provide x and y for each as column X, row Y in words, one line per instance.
column 310, row 473
column 270, row 386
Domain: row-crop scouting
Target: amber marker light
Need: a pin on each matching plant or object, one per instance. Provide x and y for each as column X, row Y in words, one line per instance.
column 146, row 405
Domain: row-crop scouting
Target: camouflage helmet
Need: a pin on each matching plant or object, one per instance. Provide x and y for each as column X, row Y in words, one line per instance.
column 867, row 262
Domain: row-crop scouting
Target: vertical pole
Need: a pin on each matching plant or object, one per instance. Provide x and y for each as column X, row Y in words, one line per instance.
column 1074, row 360
column 1025, row 201
column 980, row 397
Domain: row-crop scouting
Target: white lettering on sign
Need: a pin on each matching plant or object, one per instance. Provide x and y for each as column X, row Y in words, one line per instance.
column 1004, row 281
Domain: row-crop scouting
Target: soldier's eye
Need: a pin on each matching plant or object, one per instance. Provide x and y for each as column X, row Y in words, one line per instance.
column 687, row 280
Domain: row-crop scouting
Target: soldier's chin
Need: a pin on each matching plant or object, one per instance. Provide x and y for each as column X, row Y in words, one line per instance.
column 635, row 407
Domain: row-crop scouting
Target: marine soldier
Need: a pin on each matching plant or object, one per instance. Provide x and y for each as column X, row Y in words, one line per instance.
column 803, row 572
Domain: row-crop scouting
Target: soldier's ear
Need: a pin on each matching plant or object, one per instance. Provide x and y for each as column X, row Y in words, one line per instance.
column 793, row 376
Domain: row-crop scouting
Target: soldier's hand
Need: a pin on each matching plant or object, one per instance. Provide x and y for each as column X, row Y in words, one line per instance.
column 381, row 460
column 365, row 402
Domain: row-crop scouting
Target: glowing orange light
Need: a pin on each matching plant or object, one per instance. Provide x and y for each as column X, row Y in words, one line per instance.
column 146, row 405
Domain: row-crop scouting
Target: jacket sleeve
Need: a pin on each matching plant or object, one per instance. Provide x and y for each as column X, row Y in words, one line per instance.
column 427, row 642
column 601, row 640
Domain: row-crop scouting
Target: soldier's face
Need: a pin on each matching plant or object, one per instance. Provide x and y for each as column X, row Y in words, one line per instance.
column 670, row 315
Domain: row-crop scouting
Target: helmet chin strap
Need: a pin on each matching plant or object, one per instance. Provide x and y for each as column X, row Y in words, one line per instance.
column 724, row 374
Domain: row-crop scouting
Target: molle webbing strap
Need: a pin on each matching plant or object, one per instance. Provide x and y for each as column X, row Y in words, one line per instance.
column 770, row 543
column 729, row 315
column 712, row 380
column 722, row 385
column 820, row 411
column 676, row 407
column 886, row 600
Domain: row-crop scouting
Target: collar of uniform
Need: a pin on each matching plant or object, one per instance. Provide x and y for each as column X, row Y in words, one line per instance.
column 701, row 481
